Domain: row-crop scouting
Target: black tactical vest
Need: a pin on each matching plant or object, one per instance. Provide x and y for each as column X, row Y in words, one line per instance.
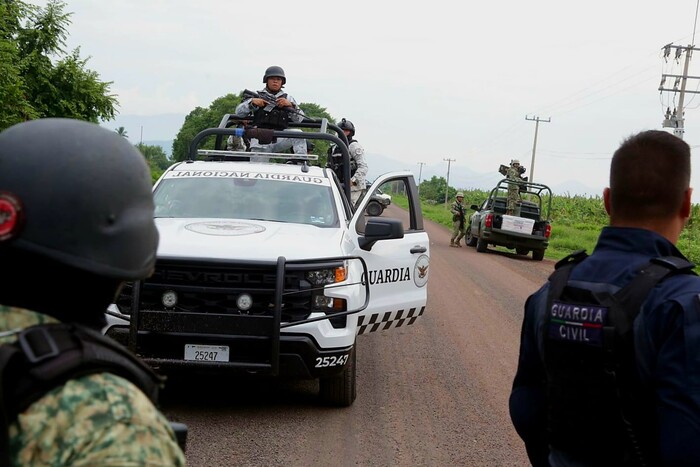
column 335, row 161
column 271, row 116
column 47, row 356
column 596, row 402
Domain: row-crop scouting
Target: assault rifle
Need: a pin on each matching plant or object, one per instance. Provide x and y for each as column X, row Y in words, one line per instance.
column 248, row 94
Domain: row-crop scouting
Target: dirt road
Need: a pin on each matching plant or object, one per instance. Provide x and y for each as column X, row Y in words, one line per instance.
column 431, row 394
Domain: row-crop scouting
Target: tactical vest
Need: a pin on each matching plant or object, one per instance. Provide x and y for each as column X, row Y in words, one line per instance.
column 596, row 402
column 335, row 161
column 271, row 116
column 47, row 356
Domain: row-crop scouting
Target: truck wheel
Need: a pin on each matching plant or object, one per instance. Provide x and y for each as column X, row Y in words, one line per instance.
column 538, row 255
column 374, row 209
column 471, row 239
column 522, row 251
column 340, row 390
column 481, row 245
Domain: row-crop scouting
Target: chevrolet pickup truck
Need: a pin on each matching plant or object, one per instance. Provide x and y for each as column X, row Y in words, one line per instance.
column 265, row 268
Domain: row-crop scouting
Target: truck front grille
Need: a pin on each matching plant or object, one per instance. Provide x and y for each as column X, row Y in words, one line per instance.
column 212, row 288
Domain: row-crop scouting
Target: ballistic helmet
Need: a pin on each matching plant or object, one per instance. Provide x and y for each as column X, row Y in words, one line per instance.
column 459, row 195
column 347, row 125
column 310, row 145
column 514, row 162
column 275, row 71
column 77, row 194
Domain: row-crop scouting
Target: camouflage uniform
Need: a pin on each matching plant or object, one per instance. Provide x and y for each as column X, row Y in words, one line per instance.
column 513, row 173
column 358, row 185
column 458, row 223
column 100, row 419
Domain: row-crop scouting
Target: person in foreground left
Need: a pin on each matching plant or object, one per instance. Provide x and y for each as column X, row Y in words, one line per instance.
column 76, row 221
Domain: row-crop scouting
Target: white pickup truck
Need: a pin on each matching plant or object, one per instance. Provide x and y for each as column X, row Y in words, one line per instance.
column 264, row 268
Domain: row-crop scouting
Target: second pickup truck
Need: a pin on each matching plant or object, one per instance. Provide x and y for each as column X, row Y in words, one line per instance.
column 526, row 229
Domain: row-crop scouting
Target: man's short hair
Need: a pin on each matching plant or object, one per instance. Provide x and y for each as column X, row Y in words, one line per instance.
column 649, row 174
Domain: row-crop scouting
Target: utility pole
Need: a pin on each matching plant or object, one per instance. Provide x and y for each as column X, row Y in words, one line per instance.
column 420, row 172
column 537, row 121
column 447, row 188
column 675, row 119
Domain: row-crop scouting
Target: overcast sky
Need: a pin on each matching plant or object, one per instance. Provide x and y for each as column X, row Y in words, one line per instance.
column 422, row 82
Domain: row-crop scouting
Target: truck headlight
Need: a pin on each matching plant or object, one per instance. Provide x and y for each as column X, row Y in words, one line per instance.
column 327, row 276
column 328, row 304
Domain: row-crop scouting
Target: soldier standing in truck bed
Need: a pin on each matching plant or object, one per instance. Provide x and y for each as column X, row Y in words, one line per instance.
column 513, row 175
column 274, row 109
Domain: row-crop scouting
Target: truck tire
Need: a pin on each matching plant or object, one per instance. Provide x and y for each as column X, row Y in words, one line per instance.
column 471, row 239
column 522, row 251
column 340, row 390
column 374, row 208
column 481, row 245
column 538, row 255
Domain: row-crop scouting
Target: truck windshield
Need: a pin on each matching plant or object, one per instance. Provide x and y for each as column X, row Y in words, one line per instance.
column 269, row 200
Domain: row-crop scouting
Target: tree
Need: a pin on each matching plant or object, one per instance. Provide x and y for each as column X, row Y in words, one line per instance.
column 156, row 159
column 32, row 85
column 15, row 106
column 317, row 112
column 434, row 189
column 200, row 119
column 121, row 131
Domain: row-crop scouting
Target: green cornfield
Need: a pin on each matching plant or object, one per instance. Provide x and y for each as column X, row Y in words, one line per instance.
column 576, row 222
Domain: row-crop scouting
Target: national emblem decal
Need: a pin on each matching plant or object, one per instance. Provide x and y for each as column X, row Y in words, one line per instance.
column 420, row 271
column 225, row 228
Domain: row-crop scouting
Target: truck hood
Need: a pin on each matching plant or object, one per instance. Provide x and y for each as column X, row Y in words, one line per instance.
column 245, row 239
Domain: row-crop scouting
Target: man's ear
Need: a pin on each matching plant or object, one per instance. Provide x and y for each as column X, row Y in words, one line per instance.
column 606, row 199
column 686, row 207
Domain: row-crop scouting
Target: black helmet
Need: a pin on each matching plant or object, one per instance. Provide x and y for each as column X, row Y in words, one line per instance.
column 347, row 125
column 77, row 194
column 276, row 71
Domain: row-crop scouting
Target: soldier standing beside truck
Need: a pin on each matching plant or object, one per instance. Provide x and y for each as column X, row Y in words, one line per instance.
column 458, row 214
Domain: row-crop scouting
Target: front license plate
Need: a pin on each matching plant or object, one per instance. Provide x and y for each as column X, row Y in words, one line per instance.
column 206, row 353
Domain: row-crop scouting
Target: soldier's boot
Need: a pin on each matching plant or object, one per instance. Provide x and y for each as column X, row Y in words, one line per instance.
column 452, row 242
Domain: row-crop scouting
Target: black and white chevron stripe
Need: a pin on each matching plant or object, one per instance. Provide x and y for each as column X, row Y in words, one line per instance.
column 387, row 320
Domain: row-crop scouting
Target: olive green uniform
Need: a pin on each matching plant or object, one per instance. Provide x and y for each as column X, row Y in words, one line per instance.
column 513, row 190
column 459, row 223
column 95, row 420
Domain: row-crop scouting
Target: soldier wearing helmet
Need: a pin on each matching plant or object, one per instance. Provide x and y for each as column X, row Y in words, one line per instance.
column 458, row 218
column 513, row 174
column 76, row 221
column 358, row 163
column 274, row 109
